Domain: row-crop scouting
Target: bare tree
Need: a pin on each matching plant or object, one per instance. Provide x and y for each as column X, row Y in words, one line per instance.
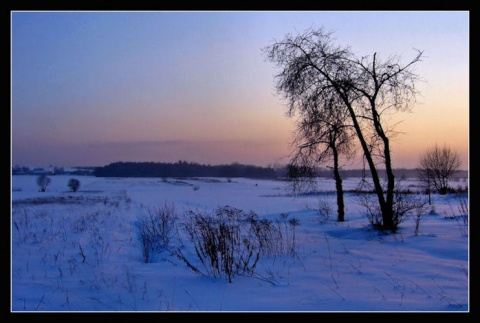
column 322, row 135
column 43, row 181
column 437, row 165
column 74, row 184
column 369, row 89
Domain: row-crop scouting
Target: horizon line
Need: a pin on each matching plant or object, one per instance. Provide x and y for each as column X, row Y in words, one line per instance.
column 208, row 164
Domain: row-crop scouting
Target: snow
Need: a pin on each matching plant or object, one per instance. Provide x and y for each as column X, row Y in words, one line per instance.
column 80, row 251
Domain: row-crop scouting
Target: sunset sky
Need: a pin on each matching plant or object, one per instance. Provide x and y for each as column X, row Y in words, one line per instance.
column 91, row 88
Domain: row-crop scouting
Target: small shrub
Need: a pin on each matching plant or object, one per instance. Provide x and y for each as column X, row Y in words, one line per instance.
column 74, row 184
column 324, row 209
column 156, row 229
column 461, row 215
column 221, row 243
column 418, row 215
column 404, row 204
column 230, row 242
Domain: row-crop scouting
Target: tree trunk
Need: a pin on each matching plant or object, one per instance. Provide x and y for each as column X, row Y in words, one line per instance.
column 339, row 187
column 373, row 170
column 388, row 215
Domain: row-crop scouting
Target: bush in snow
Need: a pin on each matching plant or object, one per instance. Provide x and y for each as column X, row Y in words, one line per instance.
column 156, row 229
column 404, row 204
column 230, row 241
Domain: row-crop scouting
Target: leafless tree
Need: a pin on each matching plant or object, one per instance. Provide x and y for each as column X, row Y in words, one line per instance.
column 370, row 90
column 437, row 165
column 322, row 135
column 43, row 181
column 74, row 184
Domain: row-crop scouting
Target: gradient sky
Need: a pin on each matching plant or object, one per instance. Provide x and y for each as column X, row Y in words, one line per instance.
column 91, row 88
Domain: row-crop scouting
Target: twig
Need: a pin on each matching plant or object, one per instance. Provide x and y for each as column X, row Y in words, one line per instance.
column 40, row 302
column 257, row 276
column 329, row 253
column 192, row 299
column 343, row 298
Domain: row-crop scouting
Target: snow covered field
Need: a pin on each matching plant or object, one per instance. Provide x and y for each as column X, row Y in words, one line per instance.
column 81, row 252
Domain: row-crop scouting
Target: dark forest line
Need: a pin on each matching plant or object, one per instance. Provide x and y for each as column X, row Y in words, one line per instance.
column 182, row 169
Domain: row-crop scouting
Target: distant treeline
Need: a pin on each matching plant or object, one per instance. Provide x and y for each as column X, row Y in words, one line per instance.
column 182, row 169
column 53, row 170
column 189, row 169
column 356, row 173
